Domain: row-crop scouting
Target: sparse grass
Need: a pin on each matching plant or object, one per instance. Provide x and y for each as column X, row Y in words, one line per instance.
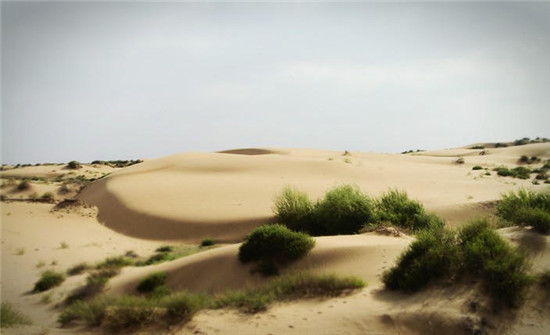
column 156, row 258
column 131, row 313
column 47, row 196
column 115, row 262
column 276, row 245
column 73, row 165
column 207, row 242
column 46, row 298
column 460, row 160
column 63, row 245
column 95, row 282
column 48, row 279
column 151, row 282
column 475, row 249
column 78, row 269
column 40, row 264
column 477, row 167
column 20, row 251
column 11, row 317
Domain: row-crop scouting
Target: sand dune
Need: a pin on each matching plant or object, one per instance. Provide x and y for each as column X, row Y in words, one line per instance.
column 191, row 196
column 224, row 195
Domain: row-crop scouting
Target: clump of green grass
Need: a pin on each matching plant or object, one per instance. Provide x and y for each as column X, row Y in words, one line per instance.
column 396, row 207
column 275, row 245
column 47, row 196
column 475, row 249
column 207, row 242
column 11, row 317
column 151, row 282
column 48, row 279
column 344, row 210
column 156, row 259
column 295, row 209
column 526, row 208
column 477, row 167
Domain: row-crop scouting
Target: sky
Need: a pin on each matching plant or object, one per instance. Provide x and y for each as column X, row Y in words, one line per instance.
column 127, row 80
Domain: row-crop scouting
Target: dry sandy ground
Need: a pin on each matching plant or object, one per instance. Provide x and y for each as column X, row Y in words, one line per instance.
column 187, row 197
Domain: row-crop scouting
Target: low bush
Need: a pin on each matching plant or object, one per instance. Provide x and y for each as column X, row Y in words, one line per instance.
column 344, row 210
column 10, row 316
column 151, row 282
column 477, row 167
column 156, row 258
column 275, row 244
column 526, row 208
column 460, row 160
column 478, row 147
column 396, row 207
column 521, row 172
column 207, row 242
column 475, row 249
column 23, row 185
column 48, row 279
column 165, row 248
column 73, row 165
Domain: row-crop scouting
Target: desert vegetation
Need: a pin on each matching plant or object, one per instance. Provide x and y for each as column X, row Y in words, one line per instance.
column 48, row 279
column 11, row 317
column 346, row 210
column 274, row 245
column 131, row 313
column 526, row 208
column 475, row 250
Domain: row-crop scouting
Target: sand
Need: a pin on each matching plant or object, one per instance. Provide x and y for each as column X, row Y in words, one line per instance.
column 184, row 198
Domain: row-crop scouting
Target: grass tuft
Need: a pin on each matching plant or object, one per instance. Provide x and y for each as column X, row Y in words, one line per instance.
column 526, row 208
column 48, row 279
column 10, row 316
column 151, row 282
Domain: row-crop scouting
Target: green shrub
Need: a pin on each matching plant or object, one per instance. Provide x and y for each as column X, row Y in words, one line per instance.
column 477, row 167
column 535, row 217
column 207, row 242
column 478, row 147
column 48, row 279
column 24, row 185
column 90, row 311
column 476, row 249
column 460, row 160
column 295, row 210
column 157, row 258
column 504, row 171
column 521, row 172
column 151, row 282
column 431, row 256
column 501, row 145
column 95, row 282
column 344, row 210
column 73, row 165
column 10, row 316
column 526, row 208
column 275, row 244
column 396, row 207
column 165, row 248
column 47, row 196
column 130, row 313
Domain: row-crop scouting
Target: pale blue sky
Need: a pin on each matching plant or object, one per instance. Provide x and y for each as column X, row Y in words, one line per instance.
column 108, row 80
